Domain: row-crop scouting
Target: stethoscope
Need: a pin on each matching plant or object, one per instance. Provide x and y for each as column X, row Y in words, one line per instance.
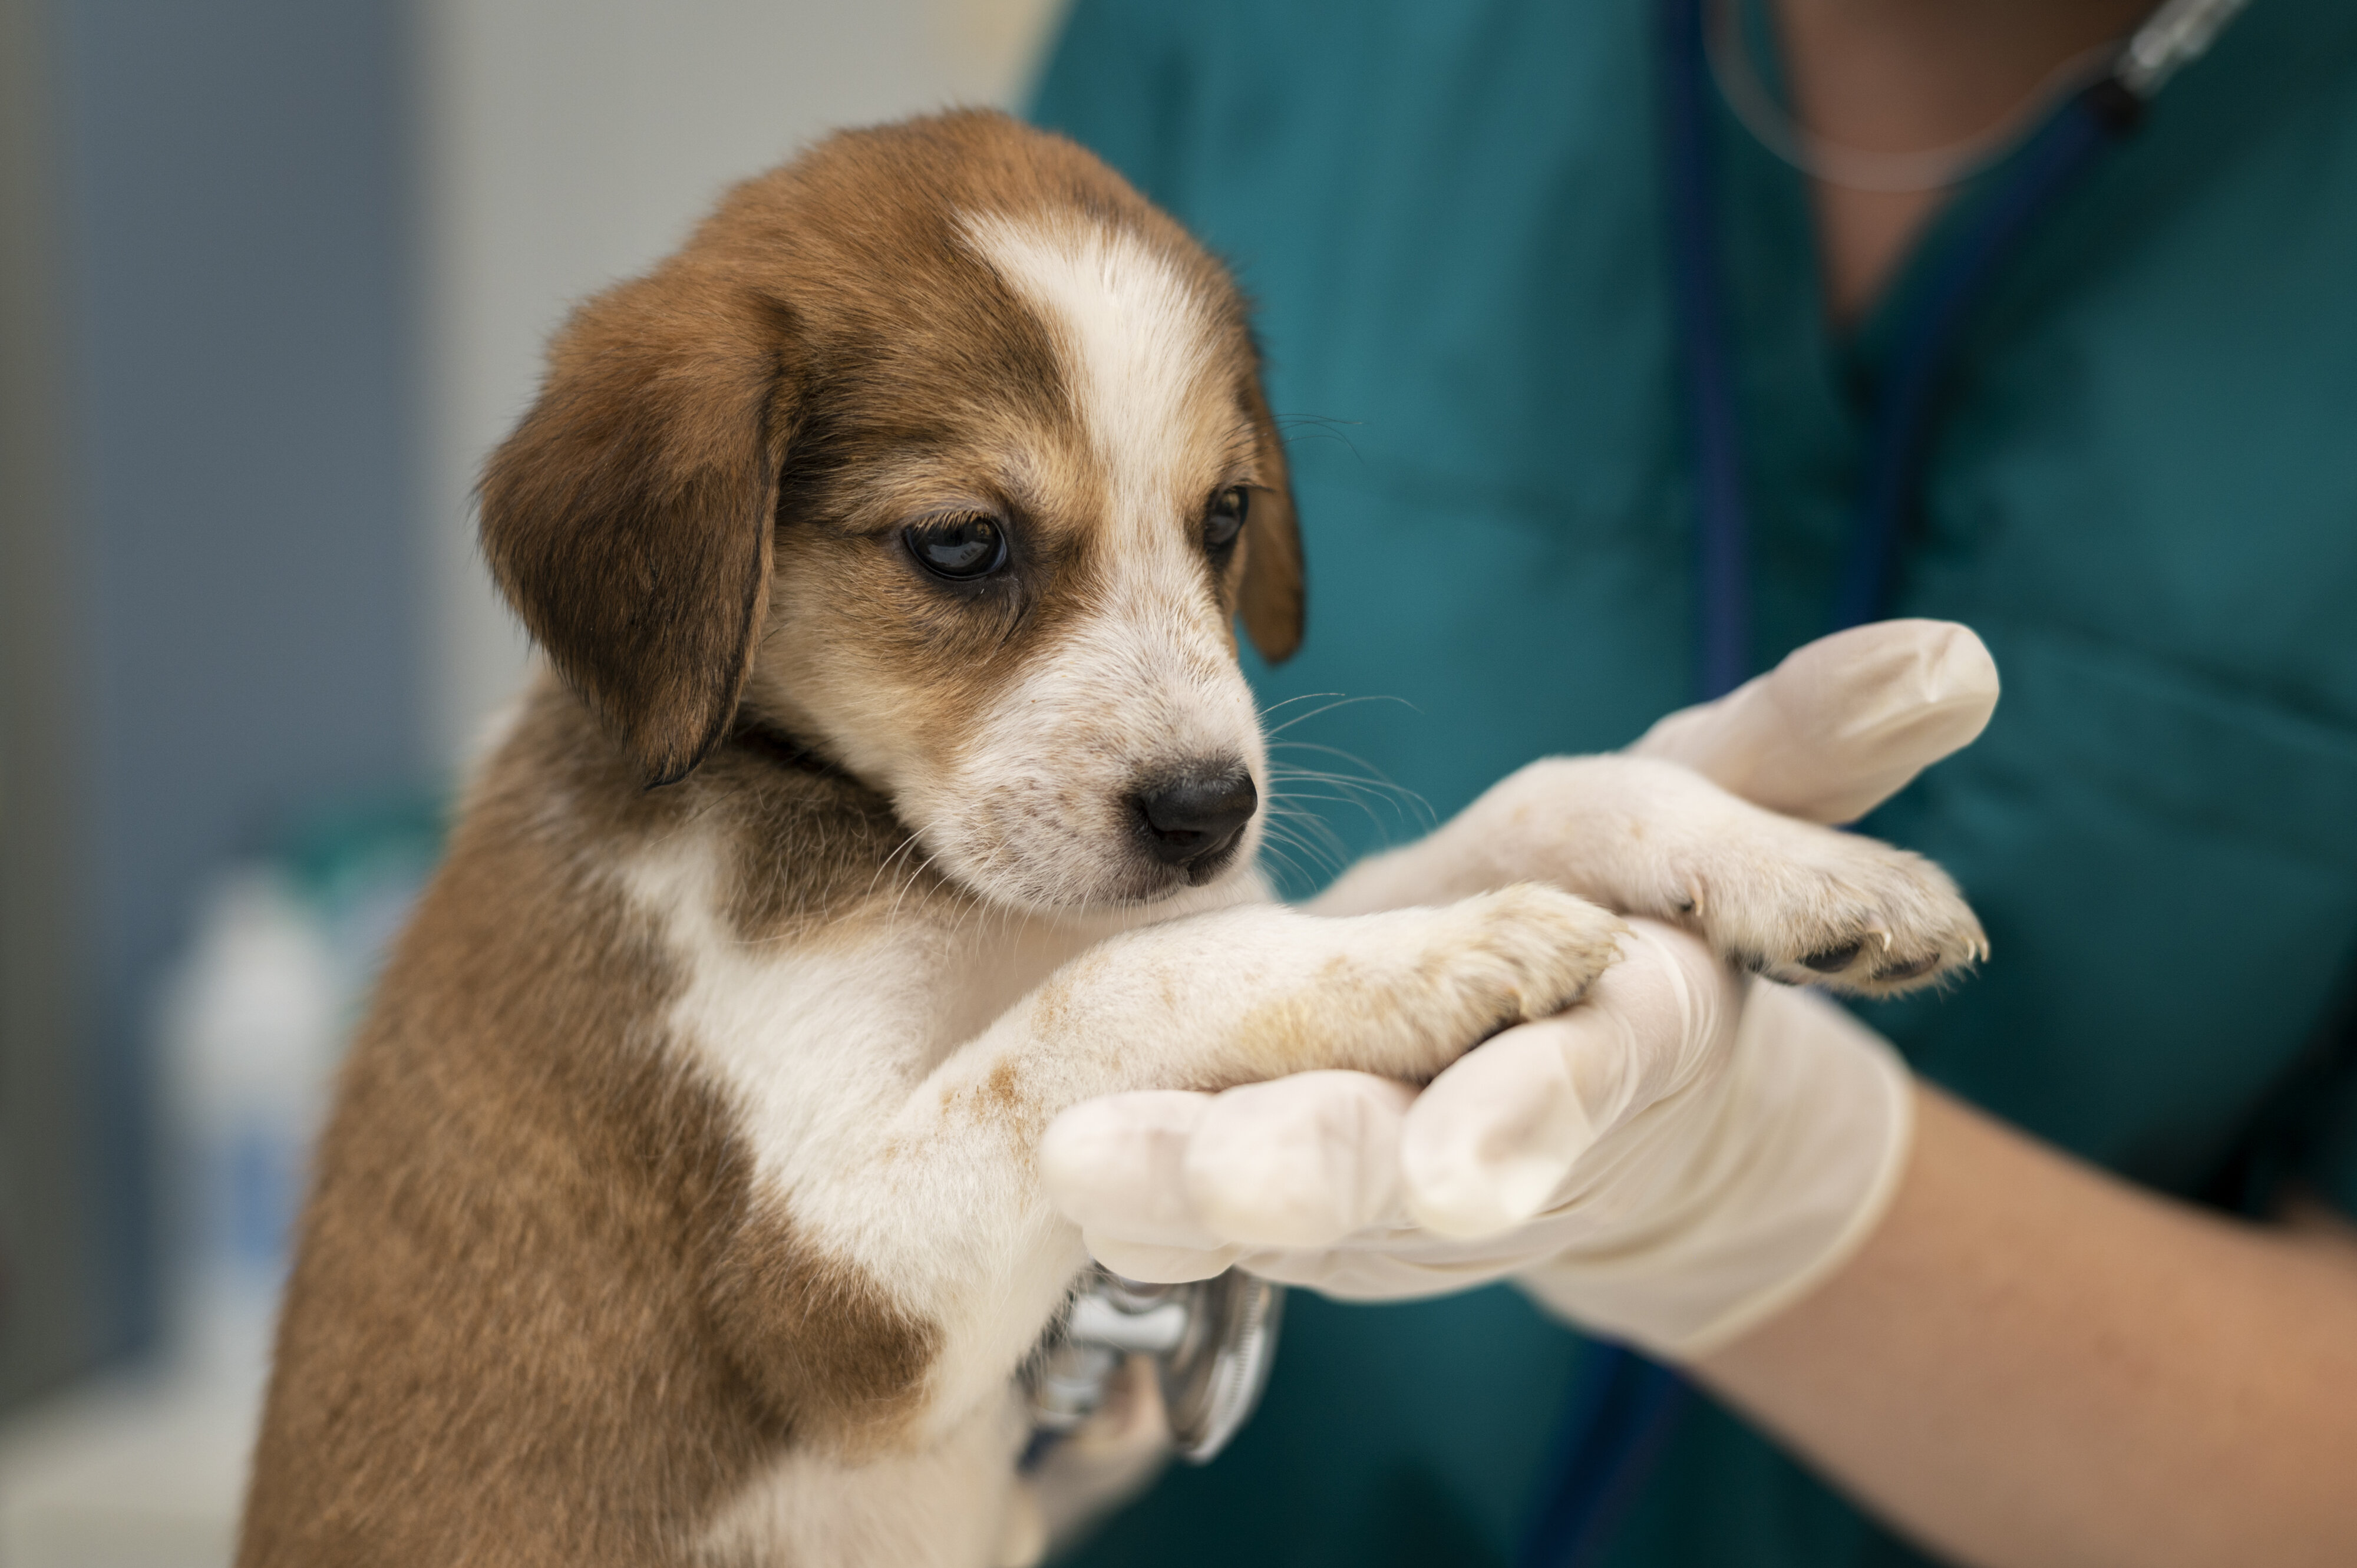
column 1924, row 339
column 1624, row 1407
column 1211, row 1341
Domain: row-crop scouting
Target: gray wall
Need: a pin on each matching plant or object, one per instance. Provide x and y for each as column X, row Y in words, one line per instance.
column 44, row 1263
column 233, row 546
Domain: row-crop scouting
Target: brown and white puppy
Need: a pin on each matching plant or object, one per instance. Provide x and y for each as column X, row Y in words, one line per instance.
column 679, row 1203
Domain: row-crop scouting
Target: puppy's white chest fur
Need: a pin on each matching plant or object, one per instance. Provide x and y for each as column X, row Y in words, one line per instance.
column 820, row 1043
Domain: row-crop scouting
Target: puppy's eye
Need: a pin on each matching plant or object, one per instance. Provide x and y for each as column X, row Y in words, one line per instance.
column 958, row 548
column 1226, row 518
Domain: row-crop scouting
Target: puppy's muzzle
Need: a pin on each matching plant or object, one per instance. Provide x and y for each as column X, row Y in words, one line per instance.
column 1194, row 820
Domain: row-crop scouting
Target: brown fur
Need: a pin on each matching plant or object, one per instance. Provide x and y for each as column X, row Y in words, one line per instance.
column 1274, row 603
column 531, row 1254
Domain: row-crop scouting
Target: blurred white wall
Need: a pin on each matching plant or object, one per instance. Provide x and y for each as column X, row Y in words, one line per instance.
column 571, row 143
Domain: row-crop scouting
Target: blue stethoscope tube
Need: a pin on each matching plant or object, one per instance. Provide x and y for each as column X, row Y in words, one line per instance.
column 1923, row 340
column 1625, row 1408
column 1723, row 515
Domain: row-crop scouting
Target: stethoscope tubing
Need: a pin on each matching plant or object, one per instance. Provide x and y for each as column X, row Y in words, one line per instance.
column 1723, row 514
column 1924, row 342
column 1906, row 404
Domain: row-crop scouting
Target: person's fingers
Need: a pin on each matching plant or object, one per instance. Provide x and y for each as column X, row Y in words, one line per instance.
column 1150, row 1264
column 1493, row 1137
column 1843, row 724
column 1296, row 1162
column 1112, row 1165
column 1491, row 1141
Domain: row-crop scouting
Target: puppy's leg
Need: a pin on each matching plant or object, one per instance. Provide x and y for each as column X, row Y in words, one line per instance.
column 936, row 1207
column 1803, row 903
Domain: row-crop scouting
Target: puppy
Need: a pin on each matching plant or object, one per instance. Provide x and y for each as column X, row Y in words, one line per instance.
column 895, row 787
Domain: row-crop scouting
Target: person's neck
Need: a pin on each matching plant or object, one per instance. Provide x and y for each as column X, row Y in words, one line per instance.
column 1902, row 76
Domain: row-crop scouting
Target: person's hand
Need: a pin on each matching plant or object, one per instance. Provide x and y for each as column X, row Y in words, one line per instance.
column 1669, row 1160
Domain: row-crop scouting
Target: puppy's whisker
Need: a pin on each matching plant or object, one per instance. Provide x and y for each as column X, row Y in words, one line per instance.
column 1383, row 827
column 1305, row 834
column 1369, row 776
column 1319, row 425
column 1293, row 870
column 1391, row 793
column 1340, row 703
column 1299, row 697
column 1305, row 826
column 1370, row 780
column 1281, row 808
column 1302, row 867
column 972, row 903
column 915, row 874
column 1328, row 857
column 1305, row 866
column 886, row 865
column 1410, row 809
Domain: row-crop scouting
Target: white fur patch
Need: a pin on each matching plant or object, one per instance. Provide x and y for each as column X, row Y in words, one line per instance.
column 823, row 1047
column 944, row 1506
column 1135, row 342
column 1037, row 812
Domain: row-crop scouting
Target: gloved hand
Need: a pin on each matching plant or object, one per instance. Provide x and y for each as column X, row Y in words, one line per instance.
column 1669, row 1162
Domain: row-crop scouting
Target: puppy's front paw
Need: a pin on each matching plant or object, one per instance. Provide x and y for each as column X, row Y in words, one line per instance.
column 1420, row 987
column 1519, row 953
column 1817, row 906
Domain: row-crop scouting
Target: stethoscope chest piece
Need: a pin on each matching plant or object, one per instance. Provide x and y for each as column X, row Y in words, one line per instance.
column 1212, row 1342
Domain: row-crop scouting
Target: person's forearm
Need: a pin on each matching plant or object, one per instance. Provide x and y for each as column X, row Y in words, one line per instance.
column 2030, row 1362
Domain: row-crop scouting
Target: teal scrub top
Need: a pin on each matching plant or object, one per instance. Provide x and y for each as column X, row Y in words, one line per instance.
column 2142, row 493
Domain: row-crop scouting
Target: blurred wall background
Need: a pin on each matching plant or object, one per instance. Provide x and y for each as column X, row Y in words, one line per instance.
column 221, row 625
column 274, row 277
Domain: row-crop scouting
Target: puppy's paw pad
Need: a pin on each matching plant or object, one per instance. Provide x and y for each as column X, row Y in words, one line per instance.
column 1903, row 973
column 1833, row 961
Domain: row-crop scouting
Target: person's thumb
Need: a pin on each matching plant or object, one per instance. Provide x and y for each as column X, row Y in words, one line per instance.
column 1843, row 724
column 1297, row 1162
column 1490, row 1144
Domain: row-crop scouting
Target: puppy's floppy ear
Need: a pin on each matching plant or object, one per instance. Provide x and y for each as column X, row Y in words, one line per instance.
column 628, row 519
column 1273, row 598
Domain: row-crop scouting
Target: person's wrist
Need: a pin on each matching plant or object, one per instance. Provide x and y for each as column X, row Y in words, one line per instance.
column 1805, row 1144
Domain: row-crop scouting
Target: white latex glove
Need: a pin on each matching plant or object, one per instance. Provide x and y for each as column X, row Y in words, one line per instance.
column 1669, row 1162
column 1844, row 723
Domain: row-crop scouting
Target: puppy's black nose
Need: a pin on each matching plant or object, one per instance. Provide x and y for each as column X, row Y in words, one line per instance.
column 1193, row 818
